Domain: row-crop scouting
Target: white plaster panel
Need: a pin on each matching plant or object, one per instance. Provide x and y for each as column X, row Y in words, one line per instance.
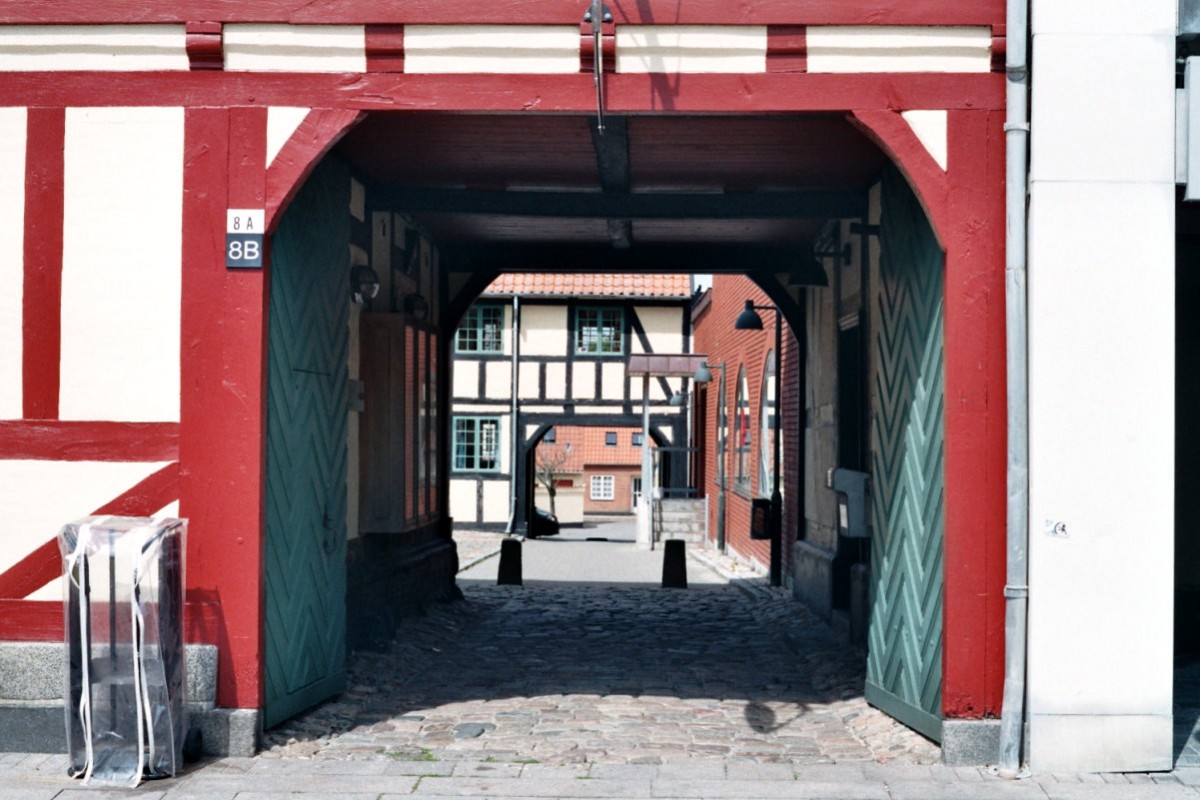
column 496, row 501
column 583, row 380
column 509, row 49
column 612, row 382
column 1101, row 300
column 1104, row 16
column 499, row 379
column 1135, row 743
column 664, row 329
column 886, row 48
column 1113, row 120
column 123, row 48
column 39, row 497
column 527, row 375
column 930, row 128
column 295, row 48
column 556, row 379
column 122, row 244
column 465, row 377
column 543, row 330
column 462, row 500
column 12, row 258
column 282, row 122
column 692, row 48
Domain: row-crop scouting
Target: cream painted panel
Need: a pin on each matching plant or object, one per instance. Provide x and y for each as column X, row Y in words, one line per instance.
column 692, row 48
column 528, row 377
column 499, row 379
column 664, row 329
column 462, row 500
column 12, row 257
column 635, row 390
column 1081, row 134
column 1105, row 16
column 612, row 382
column 491, row 49
column 556, row 379
column 883, row 48
column 476, row 409
column 282, row 122
column 1102, row 383
column 122, row 244
column 295, row 48
column 544, row 330
column 496, row 501
column 39, row 497
column 466, row 377
column 119, row 48
column 930, row 128
column 583, row 380
column 1109, row 743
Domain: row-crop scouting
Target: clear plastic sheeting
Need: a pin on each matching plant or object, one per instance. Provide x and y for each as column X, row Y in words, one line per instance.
column 126, row 708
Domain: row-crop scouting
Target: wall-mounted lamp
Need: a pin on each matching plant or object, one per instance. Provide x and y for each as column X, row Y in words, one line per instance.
column 678, row 399
column 843, row 255
column 416, row 306
column 364, row 284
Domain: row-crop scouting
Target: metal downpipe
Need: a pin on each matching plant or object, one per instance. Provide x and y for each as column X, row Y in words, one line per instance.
column 1016, row 590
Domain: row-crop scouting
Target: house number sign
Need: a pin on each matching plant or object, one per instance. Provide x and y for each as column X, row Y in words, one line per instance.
column 244, row 238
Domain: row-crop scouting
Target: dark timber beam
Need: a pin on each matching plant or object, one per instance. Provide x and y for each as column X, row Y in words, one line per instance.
column 823, row 204
column 491, row 259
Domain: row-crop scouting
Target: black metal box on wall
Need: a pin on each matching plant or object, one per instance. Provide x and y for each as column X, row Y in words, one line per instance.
column 760, row 518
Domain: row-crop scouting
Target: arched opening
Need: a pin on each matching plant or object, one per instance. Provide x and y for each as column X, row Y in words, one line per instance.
column 725, row 195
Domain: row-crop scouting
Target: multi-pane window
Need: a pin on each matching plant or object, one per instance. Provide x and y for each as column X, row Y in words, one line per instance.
column 603, row 487
column 476, row 444
column 610, row 438
column 599, row 331
column 722, row 432
column 480, row 330
column 636, row 439
column 741, row 434
column 766, row 435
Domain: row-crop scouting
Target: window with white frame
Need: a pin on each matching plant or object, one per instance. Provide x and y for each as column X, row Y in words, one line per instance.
column 599, row 331
column 766, row 429
column 480, row 330
column 477, row 444
column 741, row 434
column 603, row 487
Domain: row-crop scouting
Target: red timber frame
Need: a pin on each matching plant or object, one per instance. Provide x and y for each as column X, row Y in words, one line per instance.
column 222, row 426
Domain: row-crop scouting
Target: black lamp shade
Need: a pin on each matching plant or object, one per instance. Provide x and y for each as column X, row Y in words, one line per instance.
column 748, row 320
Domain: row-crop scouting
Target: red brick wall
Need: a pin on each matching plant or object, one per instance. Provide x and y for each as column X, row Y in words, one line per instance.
column 621, row 503
column 715, row 336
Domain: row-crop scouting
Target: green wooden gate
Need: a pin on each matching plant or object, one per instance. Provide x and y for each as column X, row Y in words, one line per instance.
column 904, row 659
column 308, row 403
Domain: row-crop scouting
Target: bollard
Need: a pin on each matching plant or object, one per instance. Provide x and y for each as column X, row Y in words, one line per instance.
column 674, row 574
column 509, row 573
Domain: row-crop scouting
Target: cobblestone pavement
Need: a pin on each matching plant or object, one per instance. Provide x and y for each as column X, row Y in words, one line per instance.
column 586, row 674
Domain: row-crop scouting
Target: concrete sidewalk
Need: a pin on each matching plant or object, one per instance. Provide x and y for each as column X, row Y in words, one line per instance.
column 26, row 777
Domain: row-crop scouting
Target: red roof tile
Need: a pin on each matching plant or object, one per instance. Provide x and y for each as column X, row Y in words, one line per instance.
column 605, row 285
column 587, row 447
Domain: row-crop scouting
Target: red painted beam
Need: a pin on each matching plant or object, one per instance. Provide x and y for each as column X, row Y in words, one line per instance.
column 42, row 621
column 43, row 253
column 44, row 564
column 624, row 93
column 513, row 12
column 315, row 136
column 222, row 415
column 53, row 440
column 976, row 417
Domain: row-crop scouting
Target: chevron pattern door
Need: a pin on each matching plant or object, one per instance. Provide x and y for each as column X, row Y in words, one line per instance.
column 904, row 659
column 308, row 404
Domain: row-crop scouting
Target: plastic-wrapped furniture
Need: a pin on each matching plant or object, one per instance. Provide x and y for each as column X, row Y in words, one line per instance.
column 125, row 692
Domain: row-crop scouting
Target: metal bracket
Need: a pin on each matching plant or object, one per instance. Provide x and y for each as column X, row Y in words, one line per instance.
column 598, row 15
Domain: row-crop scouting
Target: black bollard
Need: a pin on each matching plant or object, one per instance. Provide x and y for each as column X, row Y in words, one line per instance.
column 674, row 565
column 509, row 573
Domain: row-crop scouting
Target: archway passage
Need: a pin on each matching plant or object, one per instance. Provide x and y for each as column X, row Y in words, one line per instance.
column 481, row 195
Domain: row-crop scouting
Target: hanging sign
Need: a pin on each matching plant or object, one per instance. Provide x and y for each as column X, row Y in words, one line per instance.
column 244, row 238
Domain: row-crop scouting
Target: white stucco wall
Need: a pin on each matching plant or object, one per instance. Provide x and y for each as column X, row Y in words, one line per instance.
column 13, row 123
column 1101, row 316
column 543, row 330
